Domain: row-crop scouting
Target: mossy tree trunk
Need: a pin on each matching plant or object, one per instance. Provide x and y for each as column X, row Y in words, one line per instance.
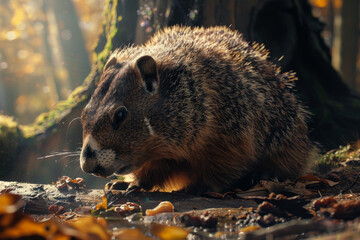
column 71, row 41
column 60, row 129
column 286, row 27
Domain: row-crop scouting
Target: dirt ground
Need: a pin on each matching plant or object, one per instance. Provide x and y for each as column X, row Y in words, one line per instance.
column 322, row 205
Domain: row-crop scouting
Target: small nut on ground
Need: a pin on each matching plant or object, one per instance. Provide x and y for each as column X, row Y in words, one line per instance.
column 161, row 208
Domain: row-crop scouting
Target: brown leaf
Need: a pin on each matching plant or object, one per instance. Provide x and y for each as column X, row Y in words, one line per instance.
column 311, row 181
column 83, row 210
column 127, row 209
column 56, row 209
column 205, row 221
column 324, row 202
column 349, row 209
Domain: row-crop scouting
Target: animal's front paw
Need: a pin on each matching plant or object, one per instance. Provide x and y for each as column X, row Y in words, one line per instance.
column 116, row 185
column 133, row 187
column 116, row 190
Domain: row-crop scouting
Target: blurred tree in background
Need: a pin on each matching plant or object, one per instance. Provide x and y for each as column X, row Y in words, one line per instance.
column 43, row 54
column 341, row 33
column 43, row 58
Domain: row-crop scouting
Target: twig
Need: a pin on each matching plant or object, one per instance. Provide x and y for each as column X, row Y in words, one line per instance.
column 352, row 185
column 294, row 227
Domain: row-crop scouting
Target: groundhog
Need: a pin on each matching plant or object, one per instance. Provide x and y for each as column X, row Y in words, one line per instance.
column 195, row 108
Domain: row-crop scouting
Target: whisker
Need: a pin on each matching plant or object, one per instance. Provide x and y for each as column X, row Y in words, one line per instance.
column 56, row 154
column 72, row 155
column 67, row 130
column 77, row 118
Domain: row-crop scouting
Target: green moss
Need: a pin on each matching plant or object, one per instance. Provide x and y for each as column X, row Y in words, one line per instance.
column 110, row 31
column 11, row 134
column 51, row 118
column 332, row 159
column 11, row 139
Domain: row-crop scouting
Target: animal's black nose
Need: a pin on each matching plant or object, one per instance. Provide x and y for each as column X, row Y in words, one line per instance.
column 89, row 153
column 99, row 171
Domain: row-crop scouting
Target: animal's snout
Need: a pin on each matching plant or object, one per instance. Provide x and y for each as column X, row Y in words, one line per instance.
column 88, row 155
column 88, row 161
column 93, row 159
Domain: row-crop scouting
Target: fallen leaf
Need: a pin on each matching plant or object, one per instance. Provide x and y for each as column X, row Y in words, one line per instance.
column 250, row 229
column 103, row 204
column 324, row 202
column 312, row 181
column 56, row 209
column 9, row 203
column 161, row 208
column 89, row 227
column 168, row 232
column 347, row 210
column 126, row 209
column 130, row 234
column 16, row 225
column 199, row 221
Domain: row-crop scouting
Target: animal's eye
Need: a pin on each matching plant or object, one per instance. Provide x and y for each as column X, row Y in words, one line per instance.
column 119, row 117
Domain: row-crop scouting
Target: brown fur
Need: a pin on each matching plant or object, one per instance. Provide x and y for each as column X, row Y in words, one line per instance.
column 205, row 109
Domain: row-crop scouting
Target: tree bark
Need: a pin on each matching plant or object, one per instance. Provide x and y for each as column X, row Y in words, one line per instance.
column 72, row 44
column 55, row 130
column 349, row 42
column 288, row 28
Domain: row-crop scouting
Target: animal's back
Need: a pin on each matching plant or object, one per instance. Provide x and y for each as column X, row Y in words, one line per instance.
column 254, row 123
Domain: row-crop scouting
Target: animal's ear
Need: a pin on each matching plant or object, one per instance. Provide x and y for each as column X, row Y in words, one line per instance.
column 146, row 68
column 109, row 63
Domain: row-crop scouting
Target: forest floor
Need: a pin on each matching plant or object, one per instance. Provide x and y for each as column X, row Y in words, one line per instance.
column 321, row 205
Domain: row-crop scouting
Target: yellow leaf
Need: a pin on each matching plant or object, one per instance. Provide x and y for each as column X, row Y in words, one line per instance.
column 161, row 208
column 9, row 203
column 250, row 229
column 15, row 225
column 169, row 232
column 130, row 234
column 102, row 205
column 88, row 226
